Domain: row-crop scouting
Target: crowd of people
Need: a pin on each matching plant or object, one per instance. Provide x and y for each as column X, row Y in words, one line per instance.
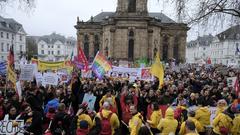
column 124, row 107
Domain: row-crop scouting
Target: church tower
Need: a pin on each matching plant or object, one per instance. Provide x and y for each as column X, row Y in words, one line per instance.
column 132, row 7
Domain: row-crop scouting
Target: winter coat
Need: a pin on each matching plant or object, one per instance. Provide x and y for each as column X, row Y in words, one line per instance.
column 236, row 125
column 222, row 120
column 155, row 118
column 135, row 124
column 168, row 120
column 86, row 118
column 114, row 121
column 198, row 125
column 203, row 116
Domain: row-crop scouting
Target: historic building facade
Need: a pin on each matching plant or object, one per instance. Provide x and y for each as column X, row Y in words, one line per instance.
column 132, row 33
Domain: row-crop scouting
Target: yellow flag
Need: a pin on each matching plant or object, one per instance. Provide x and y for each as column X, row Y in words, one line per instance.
column 11, row 76
column 157, row 70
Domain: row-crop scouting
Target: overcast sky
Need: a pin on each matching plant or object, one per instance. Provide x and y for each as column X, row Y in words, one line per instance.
column 60, row 15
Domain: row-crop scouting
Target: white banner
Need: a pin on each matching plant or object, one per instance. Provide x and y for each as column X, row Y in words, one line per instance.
column 39, row 78
column 27, row 72
column 50, row 79
column 6, row 127
column 123, row 72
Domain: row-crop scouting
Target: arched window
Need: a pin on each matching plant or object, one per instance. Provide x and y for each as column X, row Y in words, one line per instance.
column 131, row 45
column 176, row 49
column 165, row 48
column 131, row 6
column 96, row 44
column 86, row 45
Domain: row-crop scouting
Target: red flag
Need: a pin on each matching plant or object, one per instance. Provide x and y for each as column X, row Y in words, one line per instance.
column 82, row 58
column 11, row 57
column 236, row 85
column 209, row 61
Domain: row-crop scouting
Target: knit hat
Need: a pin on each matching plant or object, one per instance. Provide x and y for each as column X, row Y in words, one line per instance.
column 83, row 124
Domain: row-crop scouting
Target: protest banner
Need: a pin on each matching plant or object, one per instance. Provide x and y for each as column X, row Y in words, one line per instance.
column 63, row 77
column 44, row 65
column 7, row 128
column 27, row 72
column 90, row 99
column 123, row 72
column 231, row 81
column 145, row 74
column 86, row 74
column 50, row 79
column 39, row 78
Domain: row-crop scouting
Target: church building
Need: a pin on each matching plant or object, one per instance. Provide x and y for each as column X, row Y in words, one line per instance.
column 132, row 33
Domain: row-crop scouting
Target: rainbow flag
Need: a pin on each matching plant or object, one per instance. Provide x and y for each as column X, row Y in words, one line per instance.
column 100, row 65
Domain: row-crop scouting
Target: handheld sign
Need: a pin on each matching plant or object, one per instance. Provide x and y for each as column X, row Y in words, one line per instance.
column 7, row 128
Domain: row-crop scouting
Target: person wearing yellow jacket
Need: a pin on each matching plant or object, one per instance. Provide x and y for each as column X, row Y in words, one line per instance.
column 221, row 106
column 236, row 125
column 168, row 125
column 81, row 115
column 222, row 124
column 155, row 118
column 106, row 113
column 190, row 128
column 135, row 122
column 203, row 116
column 191, row 117
column 107, row 97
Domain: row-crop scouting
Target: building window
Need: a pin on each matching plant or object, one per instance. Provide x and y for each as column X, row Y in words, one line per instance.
column 165, row 48
column 96, row 45
column 20, row 37
column 1, row 34
column 176, row 49
column 49, row 52
column 86, row 45
column 8, row 47
column 48, row 46
column 12, row 36
column 132, row 6
column 204, row 48
column 7, row 36
column 52, row 52
column 58, row 52
column 131, row 45
column 42, row 51
column 2, row 57
column 42, row 46
column 52, row 46
column 2, row 47
column 58, row 46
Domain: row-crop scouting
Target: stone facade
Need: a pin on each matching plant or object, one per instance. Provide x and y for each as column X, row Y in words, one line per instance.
column 132, row 33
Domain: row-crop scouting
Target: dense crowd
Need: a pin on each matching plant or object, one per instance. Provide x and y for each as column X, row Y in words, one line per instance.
column 124, row 107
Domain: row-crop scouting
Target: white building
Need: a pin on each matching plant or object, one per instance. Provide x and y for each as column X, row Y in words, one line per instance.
column 225, row 46
column 55, row 47
column 12, row 34
column 198, row 49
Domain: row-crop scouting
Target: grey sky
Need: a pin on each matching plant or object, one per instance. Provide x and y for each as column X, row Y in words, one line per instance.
column 60, row 15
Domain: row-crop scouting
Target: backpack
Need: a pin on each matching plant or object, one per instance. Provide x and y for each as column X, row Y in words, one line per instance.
column 106, row 125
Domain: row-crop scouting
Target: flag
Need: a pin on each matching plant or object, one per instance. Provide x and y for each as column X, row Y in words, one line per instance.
column 157, row 70
column 100, row 65
column 236, row 85
column 3, row 68
column 11, row 57
column 209, row 61
column 11, row 76
column 81, row 58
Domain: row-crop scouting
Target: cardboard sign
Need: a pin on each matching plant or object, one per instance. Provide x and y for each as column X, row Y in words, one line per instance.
column 63, row 77
column 50, row 79
column 6, row 127
column 27, row 72
column 39, row 78
column 90, row 99
column 146, row 75
column 231, row 81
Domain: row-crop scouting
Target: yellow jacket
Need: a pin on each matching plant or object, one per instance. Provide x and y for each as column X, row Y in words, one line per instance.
column 198, row 125
column 155, row 118
column 236, row 125
column 114, row 121
column 203, row 116
column 85, row 117
column 222, row 120
column 135, row 124
column 220, row 110
column 104, row 98
column 168, row 124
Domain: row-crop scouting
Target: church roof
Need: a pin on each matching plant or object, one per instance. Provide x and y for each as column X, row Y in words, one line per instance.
column 104, row 15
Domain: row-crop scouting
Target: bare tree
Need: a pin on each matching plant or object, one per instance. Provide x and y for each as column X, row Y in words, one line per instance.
column 199, row 10
column 22, row 4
